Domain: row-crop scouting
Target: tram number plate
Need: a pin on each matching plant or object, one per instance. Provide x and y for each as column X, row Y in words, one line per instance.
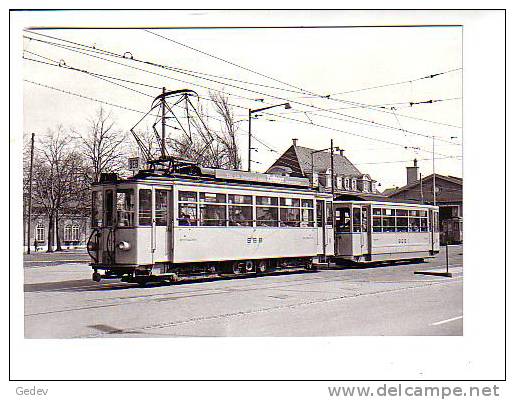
column 251, row 240
column 403, row 241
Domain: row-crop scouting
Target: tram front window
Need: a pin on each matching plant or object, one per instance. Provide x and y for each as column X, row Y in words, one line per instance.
column 125, row 207
column 96, row 209
column 108, row 207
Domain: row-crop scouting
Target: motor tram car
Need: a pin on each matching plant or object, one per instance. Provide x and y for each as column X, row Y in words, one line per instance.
column 373, row 231
column 159, row 225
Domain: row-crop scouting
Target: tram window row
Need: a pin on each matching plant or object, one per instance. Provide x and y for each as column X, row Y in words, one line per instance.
column 220, row 209
column 383, row 220
column 205, row 209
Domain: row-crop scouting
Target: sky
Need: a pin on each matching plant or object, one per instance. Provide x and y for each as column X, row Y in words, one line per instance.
column 298, row 65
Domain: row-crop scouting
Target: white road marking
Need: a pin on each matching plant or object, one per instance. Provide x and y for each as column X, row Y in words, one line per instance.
column 447, row 320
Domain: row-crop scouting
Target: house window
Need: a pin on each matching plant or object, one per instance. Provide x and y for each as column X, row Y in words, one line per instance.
column 71, row 233
column 339, row 182
column 347, row 183
column 40, row 232
column 366, row 186
column 354, row 184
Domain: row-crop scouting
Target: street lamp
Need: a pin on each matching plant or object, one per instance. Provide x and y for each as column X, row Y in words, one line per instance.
column 287, row 106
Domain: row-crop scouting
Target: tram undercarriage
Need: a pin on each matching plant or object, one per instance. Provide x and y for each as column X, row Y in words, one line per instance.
column 169, row 272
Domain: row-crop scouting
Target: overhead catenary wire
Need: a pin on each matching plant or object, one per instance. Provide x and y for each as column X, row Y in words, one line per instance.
column 143, row 112
column 430, row 76
column 260, row 93
column 282, row 117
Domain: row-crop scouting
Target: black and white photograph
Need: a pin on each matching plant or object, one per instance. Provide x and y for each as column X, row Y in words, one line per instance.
column 209, row 177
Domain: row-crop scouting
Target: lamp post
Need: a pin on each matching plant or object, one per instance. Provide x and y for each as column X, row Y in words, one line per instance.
column 287, row 106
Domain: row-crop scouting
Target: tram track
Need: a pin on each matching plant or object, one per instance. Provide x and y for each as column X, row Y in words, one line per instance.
column 168, row 324
column 180, row 295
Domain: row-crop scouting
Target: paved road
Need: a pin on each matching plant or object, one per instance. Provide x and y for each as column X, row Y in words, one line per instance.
column 61, row 301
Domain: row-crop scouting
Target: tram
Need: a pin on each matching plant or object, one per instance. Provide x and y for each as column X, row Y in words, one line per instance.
column 373, row 231
column 162, row 223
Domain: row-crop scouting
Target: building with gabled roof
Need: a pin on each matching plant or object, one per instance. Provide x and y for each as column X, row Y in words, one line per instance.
column 315, row 165
column 448, row 196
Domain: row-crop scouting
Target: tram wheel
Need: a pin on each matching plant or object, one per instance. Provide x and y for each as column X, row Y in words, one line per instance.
column 261, row 267
column 236, row 268
column 249, row 266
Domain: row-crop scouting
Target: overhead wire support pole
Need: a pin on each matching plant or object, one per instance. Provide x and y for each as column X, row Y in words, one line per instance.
column 434, row 176
column 332, row 168
column 250, row 141
column 163, row 124
column 30, row 191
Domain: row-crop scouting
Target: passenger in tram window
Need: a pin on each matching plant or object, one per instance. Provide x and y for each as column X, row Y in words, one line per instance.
column 184, row 220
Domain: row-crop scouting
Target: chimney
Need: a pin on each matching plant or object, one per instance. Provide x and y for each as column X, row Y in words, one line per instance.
column 341, row 152
column 295, row 142
column 412, row 173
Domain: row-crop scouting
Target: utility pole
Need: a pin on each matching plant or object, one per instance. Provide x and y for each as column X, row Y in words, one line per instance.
column 250, row 140
column 332, row 168
column 434, row 177
column 421, row 191
column 30, row 191
column 163, row 123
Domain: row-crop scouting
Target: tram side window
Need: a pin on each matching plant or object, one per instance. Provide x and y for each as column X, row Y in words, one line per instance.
column 376, row 220
column 212, row 215
column 266, row 201
column 125, row 207
column 240, row 215
column 213, row 197
column 290, row 217
column 108, row 207
column 356, row 219
column 239, row 199
column 188, row 196
column 267, row 216
column 402, row 223
column 187, row 208
column 388, row 224
column 96, row 208
column 161, row 202
column 342, row 219
column 187, row 214
column 307, row 213
column 145, row 207
column 287, row 202
column 306, row 217
column 423, row 224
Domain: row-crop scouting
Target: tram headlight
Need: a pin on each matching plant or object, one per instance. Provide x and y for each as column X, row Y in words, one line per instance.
column 124, row 246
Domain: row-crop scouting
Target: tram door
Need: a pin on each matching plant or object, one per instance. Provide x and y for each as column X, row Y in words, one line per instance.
column 321, row 231
column 161, row 225
column 360, row 228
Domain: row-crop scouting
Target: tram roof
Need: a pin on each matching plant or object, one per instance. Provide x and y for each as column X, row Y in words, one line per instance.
column 215, row 175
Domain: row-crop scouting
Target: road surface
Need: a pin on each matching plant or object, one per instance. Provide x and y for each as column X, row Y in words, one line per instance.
column 61, row 301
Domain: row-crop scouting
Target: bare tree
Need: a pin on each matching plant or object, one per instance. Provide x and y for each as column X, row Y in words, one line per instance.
column 211, row 146
column 103, row 146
